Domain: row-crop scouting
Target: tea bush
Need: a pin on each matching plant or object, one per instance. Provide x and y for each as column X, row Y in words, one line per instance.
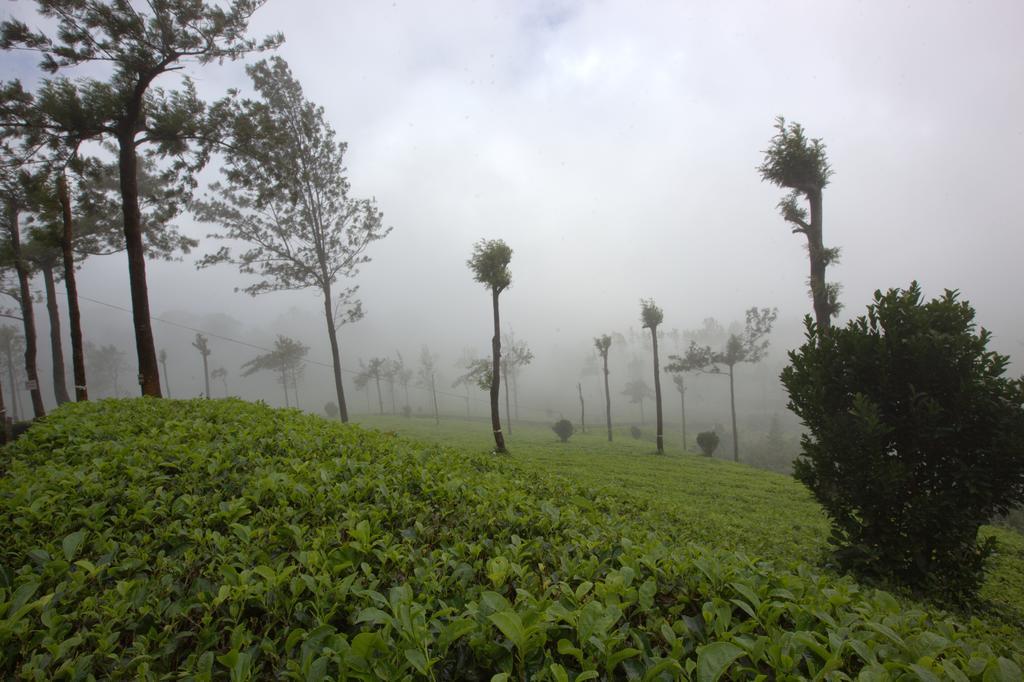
column 158, row 539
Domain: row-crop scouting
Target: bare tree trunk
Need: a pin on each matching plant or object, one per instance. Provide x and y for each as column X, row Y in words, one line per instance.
column 643, row 421
column 206, row 375
column 3, row 419
column 15, row 401
column 27, row 314
column 167, row 383
column 468, row 416
column 508, row 412
column 60, row 387
column 499, row 437
column 660, row 438
column 515, row 394
column 433, row 391
column 607, row 397
column 816, row 253
column 380, row 398
column 284, row 385
column 295, row 387
column 682, row 407
column 583, row 416
column 732, row 404
column 332, row 333
column 71, row 285
column 149, row 373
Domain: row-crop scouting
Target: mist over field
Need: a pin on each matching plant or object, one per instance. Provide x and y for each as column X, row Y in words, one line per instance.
column 615, row 150
column 660, row 341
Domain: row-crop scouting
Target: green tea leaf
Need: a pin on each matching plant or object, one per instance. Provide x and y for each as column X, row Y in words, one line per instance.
column 714, row 659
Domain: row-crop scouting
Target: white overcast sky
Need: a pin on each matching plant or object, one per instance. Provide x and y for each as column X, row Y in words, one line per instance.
column 613, row 145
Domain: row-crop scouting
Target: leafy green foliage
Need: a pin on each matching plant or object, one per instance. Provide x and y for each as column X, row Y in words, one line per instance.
column 288, row 358
column 563, row 428
column 707, row 441
column 650, row 315
column 286, row 195
column 489, row 263
column 914, row 438
column 222, row 540
column 794, row 161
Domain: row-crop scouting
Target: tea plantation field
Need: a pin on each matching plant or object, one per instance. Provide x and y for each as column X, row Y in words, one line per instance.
column 712, row 502
column 202, row 540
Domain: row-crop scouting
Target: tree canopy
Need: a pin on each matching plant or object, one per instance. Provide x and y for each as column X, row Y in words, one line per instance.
column 489, row 263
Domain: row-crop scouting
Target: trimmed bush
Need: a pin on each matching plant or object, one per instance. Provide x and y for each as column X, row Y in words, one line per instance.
column 707, row 441
column 563, row 428
column 635, row 431
column 914, row 438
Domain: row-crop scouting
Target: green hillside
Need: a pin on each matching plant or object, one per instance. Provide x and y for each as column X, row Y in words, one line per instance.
column 158, row 539
column 712, row 502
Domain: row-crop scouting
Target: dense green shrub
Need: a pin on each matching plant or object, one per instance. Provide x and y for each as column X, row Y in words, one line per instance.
column 707, row 441
column 216, row 540
column 563, row 428
column 914, row 438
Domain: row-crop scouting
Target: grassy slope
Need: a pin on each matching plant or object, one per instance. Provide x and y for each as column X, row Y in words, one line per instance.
column 214, row 539
column 712, row 502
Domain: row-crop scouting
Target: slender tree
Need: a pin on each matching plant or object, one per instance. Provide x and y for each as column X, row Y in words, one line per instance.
column 637, row 390
column 403, row 375
column 10, row 341
column 583, row 411
column 390, row 373
column 201, row 344
column 798, row 163
column 603, row 343
column 139, row 46
column 751, row 346
column 285, row 193
column 489, row 263
column 515, row 355
column 221, row 374
column 13, row 190
column 467, row 362
column 427, row 377
column 287, row 359
column 105, row 364
column 163, row 365
column 71, row 288
column 376, row 370
column 680, row 383
column 478, row 373
column 45, row 259
column 652, row 316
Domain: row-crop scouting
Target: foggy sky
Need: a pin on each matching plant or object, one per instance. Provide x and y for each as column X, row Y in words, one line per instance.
column 613, row 146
